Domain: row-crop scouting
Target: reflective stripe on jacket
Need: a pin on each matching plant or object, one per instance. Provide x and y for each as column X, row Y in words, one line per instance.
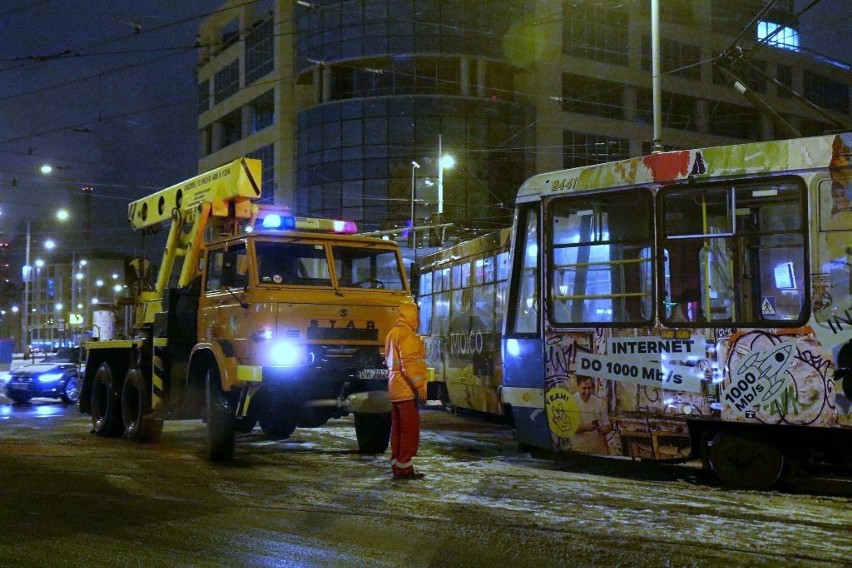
column 405, row 354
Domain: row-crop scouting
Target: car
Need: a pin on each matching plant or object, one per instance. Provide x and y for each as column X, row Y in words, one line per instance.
column 55, row 376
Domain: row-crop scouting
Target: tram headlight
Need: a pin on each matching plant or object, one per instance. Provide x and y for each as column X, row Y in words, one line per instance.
column 513, row 347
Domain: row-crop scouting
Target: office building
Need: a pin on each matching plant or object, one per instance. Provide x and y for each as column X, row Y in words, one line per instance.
column 346, row 102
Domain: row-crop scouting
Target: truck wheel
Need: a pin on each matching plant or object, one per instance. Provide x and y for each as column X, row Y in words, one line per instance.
column 139, row 424
column 278, row 422
column 373, row 432
column 220, row 420
column 106, row 404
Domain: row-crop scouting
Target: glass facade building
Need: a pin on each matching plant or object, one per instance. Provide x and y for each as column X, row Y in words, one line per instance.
column 343, row 98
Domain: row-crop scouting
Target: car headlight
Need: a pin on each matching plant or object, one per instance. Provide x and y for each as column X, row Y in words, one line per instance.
column 287, row 354
column 49, row 377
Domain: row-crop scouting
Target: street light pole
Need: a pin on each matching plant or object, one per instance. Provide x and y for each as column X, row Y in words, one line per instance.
column 412, row 237
column 440, row 180
column 25, row 318
column 443, row 162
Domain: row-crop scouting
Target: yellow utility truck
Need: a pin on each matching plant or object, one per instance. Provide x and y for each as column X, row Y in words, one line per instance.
column 256, row 317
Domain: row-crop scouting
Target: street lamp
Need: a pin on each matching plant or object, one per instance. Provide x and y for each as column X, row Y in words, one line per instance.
column 412, row 238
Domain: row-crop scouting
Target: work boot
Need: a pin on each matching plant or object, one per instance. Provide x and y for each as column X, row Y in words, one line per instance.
column 410, row 475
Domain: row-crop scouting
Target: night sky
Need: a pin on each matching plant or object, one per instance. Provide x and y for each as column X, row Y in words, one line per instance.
column 105, row 91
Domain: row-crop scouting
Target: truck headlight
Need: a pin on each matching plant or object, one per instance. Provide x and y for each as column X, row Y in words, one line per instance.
column 287, row 354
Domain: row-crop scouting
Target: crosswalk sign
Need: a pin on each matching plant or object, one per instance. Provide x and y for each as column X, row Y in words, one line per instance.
column 767, row 306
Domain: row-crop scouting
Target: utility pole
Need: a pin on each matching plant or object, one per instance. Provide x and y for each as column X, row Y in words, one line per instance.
column 655, row 76
column 25, row 316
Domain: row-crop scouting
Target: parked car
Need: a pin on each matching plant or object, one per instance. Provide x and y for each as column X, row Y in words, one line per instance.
column 55, row 376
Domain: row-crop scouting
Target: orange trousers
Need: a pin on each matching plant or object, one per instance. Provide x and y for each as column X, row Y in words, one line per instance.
column 405, row 436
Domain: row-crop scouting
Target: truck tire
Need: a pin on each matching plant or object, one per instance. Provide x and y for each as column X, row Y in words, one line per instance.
column 139, row 424
column 106, row 404
column 372, row 432
column 221, row 434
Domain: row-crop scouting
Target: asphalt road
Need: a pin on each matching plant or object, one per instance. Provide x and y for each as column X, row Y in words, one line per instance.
column 69, row 498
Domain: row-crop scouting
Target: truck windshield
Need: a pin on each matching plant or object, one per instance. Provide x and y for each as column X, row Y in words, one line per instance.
column 299, row 264
column 359, row 267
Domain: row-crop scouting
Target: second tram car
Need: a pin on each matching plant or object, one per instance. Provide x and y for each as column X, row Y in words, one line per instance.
column 462, row 297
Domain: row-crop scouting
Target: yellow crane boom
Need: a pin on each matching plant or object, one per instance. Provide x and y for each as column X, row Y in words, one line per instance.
column 225, row 193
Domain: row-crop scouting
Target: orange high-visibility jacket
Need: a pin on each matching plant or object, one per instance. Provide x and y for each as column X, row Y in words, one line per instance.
column 405, row 354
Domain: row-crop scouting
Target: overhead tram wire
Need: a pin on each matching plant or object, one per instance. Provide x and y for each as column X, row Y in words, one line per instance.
column 281, row 79
column 735, row 54
column 261, row 83
column 8, row 97
column 801, row 98
column 24, row 7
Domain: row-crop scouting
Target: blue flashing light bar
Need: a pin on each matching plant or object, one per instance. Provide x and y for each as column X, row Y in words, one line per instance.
column 275, row 221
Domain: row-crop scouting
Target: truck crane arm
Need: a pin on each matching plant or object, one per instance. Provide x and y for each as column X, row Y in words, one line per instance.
column 223, row 195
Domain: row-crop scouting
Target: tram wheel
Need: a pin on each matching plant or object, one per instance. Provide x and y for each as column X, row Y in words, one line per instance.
column 746, row 461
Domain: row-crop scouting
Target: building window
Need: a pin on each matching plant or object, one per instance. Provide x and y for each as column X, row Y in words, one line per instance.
column 736, row 121
column 259, row 52
column 402, row 76
column 731, row 18
column 678, row 110
column 581, row 149
column 226, row 82
column 231, row 129
column 203, row 96
column 266, row 155
column 585, row 95
column 755, row 75
column 784, row 75
column 595, row 32
column 677, row 59
column 825, row 92
column 778, row 35
column 263, row 111
column 808, row 127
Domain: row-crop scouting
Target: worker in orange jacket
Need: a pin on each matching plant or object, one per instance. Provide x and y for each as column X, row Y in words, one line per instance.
column 405, row 354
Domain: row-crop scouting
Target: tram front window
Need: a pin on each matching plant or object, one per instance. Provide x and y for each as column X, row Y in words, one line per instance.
column 600, row 259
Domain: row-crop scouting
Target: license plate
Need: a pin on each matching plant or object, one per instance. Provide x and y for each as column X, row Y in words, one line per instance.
column 20, row 387
column 368, row 374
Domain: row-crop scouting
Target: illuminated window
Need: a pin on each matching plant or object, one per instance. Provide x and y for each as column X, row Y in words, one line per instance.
column 778, row 36
column 599, row 259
